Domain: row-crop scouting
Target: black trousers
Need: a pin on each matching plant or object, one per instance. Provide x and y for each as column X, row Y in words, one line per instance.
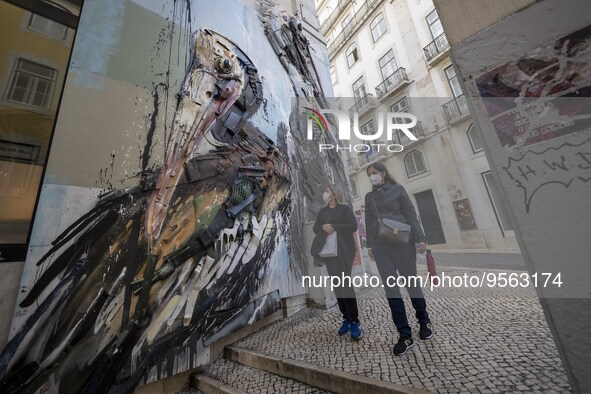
column 394, row 260
column 345, row 293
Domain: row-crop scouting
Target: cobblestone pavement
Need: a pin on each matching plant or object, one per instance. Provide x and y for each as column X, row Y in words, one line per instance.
column 253, row 380
column 486, row 340
column 511, row 261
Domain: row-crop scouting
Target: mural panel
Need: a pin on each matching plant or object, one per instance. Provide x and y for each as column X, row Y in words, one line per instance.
column 200, row 233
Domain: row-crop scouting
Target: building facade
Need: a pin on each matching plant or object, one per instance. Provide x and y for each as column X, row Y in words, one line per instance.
column 393, row 56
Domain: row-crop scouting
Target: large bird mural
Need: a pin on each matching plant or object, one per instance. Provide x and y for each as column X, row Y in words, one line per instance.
column 151, row 271
column 134, row 289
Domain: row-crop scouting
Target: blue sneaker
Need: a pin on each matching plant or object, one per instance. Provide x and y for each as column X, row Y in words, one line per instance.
column 356, row 332
column 345, row 327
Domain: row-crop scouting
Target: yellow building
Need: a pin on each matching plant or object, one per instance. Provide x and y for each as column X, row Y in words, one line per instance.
column 34, row 53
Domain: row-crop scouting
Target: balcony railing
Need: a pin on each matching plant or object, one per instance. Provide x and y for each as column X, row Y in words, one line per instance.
column 436, row 47
column 363, row 104
column 357, row 20
column 373, row 155
column 341, row 6
column 392, row 82
column 417, row 131
column 455, row 109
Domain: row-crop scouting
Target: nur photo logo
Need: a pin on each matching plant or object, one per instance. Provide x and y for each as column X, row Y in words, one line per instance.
column 388, row 124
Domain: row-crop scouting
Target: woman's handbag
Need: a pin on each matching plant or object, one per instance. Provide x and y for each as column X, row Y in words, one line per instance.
column 330, row 247
column 390, row 230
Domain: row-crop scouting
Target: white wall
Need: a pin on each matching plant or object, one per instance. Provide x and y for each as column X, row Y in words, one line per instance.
column 549, row 211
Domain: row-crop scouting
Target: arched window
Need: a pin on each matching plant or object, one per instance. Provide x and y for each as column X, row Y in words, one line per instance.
column 352, row 54
column 414, row 164
column 378, row 27
column 474, row 138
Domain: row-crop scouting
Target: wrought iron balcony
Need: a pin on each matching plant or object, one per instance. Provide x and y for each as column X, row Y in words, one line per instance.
column 417, row 131
column 436, row 47
column 356, row 21
column 364, row 104
column 455, row 109
column 374, row 154
column 392, row 82
column 328, row 22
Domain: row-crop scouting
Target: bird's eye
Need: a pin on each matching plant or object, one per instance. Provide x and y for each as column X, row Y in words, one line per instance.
column 223, row 64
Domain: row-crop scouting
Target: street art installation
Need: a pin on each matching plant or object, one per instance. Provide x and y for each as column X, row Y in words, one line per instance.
column 135, row 288
column 292, row 48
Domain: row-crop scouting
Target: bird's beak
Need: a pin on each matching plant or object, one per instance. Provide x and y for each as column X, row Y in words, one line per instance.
column 212, row 85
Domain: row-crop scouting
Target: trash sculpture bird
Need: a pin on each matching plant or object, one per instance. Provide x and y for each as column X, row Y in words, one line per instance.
column 148, row 275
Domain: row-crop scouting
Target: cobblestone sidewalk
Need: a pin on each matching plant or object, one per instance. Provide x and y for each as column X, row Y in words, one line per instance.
column 253, row 380
column 491, row 341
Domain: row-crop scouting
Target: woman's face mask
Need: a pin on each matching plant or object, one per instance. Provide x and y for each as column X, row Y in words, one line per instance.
column 376, row 179
column 326, row 197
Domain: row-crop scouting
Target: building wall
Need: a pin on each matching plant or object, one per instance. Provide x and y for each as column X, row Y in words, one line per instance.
column 454, row 170
column 35, row 124
column 142, row 74
column 23, row 125
column 502, row 54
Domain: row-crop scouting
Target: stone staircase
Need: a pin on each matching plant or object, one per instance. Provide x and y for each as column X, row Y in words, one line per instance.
column 248, row 371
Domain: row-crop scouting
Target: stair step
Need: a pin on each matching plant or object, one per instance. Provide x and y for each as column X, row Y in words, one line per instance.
column 228, row 377
column 312, row 375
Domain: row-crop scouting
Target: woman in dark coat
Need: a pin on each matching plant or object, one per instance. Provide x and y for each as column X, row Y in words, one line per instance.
column 338, row 217
column 389, row 200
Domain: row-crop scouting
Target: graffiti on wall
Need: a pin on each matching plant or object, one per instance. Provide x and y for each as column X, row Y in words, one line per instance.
column 151, row 275
column 540, row 96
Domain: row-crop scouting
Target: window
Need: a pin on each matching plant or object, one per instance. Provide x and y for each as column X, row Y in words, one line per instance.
column 401, row 106
column 368, row 128
column 48, row 27
column 359, row 90
column 354, row 188
column 347, row 24
column 454, row 83
column 495, row 199
column 414, row 164
column 333, row 75
column 387, row 64
column 346, row 21
column 378, row 27
column 434, row 24
column 352, row 54
column 31, row 84
column 474, row 138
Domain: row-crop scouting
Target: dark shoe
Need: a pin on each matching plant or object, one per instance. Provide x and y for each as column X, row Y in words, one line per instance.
column 425, row 332
column 345, row 327
column 404, row 343
column 356, row 332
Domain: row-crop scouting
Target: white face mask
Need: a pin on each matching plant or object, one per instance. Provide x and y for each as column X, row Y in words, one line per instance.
column 326, row 196
column 376, row 179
